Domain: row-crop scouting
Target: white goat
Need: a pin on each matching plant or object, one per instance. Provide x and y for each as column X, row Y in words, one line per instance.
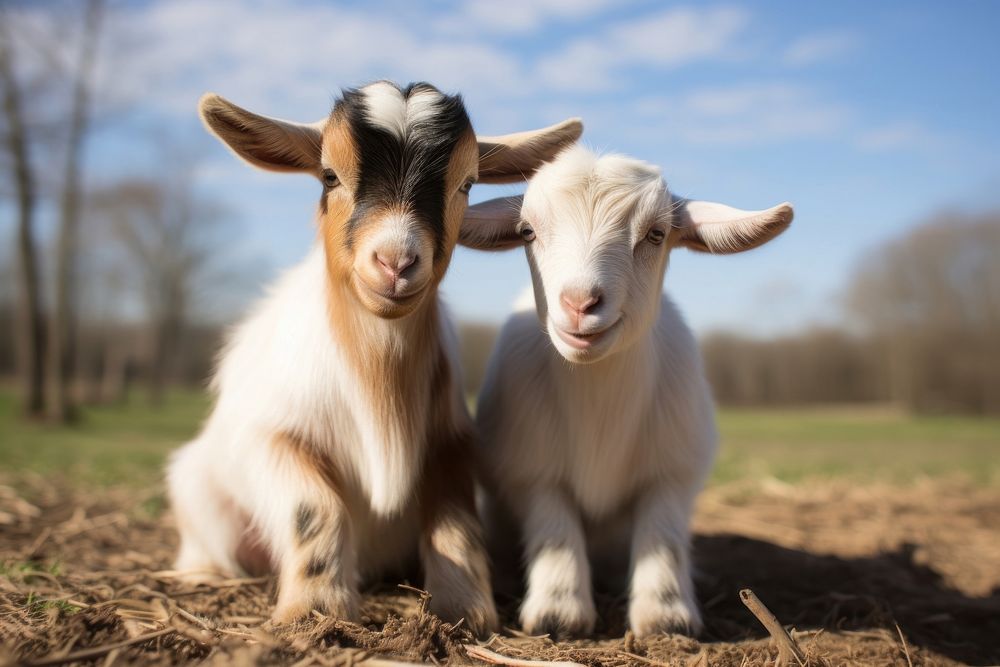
column 604, row 454
column 340, row 441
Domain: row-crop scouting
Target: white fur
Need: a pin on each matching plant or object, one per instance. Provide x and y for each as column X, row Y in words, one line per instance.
column 599, row 453
column 388, row 109
column 421, row 105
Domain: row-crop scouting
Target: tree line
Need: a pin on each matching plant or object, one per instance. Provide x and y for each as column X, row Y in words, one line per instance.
column 921, row 329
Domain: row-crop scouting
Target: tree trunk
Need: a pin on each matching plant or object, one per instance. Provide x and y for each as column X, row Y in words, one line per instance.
column 29, row 320
column 167, row 329
column 62, row 348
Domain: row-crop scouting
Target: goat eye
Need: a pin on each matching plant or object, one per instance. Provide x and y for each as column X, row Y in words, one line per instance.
column 527, row 233
column 467, row 186
column 330, row 179
column 656, row 236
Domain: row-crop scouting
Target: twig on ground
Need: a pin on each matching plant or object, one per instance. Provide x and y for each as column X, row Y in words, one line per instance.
column 906, row 649
column 648, row 661
column 236, row 633
column 37, row 544
column 425, row 597
column 236, row 582
column 244, row 620
column 110, row 658
column 486, row 655
column 521, row 634
column 98, row 651
column 205, row 625
column 76, row 526
column 787, row 647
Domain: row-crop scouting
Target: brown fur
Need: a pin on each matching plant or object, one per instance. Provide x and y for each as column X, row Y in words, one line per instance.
column 463, row 164
column 319, row 572
column 452, row 547
column 405, row 379
column 267, row 143
column 515, row 157
column 340, row 151
column 393, row 378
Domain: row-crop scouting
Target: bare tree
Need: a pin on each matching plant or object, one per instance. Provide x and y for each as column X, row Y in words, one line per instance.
column 62, row 349
column 168, row 234
column 931, row 301
column 29, row 319
column 813, row 366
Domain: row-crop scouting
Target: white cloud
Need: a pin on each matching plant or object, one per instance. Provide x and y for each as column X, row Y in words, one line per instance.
column 901, row 135
column 666, row 40
column 748, row 113
column 516, row 17
column 820, row 47
column 280, row 61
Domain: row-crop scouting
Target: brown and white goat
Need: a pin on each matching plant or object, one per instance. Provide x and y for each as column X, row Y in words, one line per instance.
column 340, row 440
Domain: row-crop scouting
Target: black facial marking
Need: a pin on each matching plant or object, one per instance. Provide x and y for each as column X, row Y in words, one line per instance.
column 407, row 172
column 306, row 525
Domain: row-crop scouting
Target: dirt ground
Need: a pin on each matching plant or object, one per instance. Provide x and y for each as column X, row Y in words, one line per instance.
column 863, row 576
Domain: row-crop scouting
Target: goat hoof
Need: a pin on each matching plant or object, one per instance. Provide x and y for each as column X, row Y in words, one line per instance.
column 568, row 615
column 480, row 614
column 652, row 615
column 341, row 605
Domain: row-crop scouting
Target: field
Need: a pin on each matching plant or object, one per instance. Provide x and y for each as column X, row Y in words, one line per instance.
column 870, row 533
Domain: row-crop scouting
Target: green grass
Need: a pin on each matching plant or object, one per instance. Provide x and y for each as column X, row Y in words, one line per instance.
column 109, row 445
column 127, row 444
column 860, row 443
column 40, row 607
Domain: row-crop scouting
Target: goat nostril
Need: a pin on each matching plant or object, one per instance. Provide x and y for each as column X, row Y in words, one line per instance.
column 405, row 262
column 385, row 264
column 591, row 304
column 394, row 265
column 581, row 304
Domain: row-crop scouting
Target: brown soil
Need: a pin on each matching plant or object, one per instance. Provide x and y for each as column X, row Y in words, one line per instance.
column 865, row 576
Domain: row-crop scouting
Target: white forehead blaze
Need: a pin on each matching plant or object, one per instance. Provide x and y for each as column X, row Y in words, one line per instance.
column 584, row 190
column 388, row 109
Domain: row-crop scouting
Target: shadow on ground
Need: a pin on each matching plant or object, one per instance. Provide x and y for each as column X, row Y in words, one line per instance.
column 812, row 591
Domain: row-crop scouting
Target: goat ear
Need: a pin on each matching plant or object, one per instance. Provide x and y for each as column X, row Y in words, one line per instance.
column 268, row 143
column 492, row 224
column 512, row 158
column 709, row 227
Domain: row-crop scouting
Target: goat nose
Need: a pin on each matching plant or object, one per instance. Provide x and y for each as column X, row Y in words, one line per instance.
column 579, row 302
column 394, row 263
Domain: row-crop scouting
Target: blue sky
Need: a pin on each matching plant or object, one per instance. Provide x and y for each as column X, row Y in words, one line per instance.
column 867, row 116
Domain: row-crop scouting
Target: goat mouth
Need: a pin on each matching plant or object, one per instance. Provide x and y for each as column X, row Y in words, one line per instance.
column 392, row 300
column 585, row 341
